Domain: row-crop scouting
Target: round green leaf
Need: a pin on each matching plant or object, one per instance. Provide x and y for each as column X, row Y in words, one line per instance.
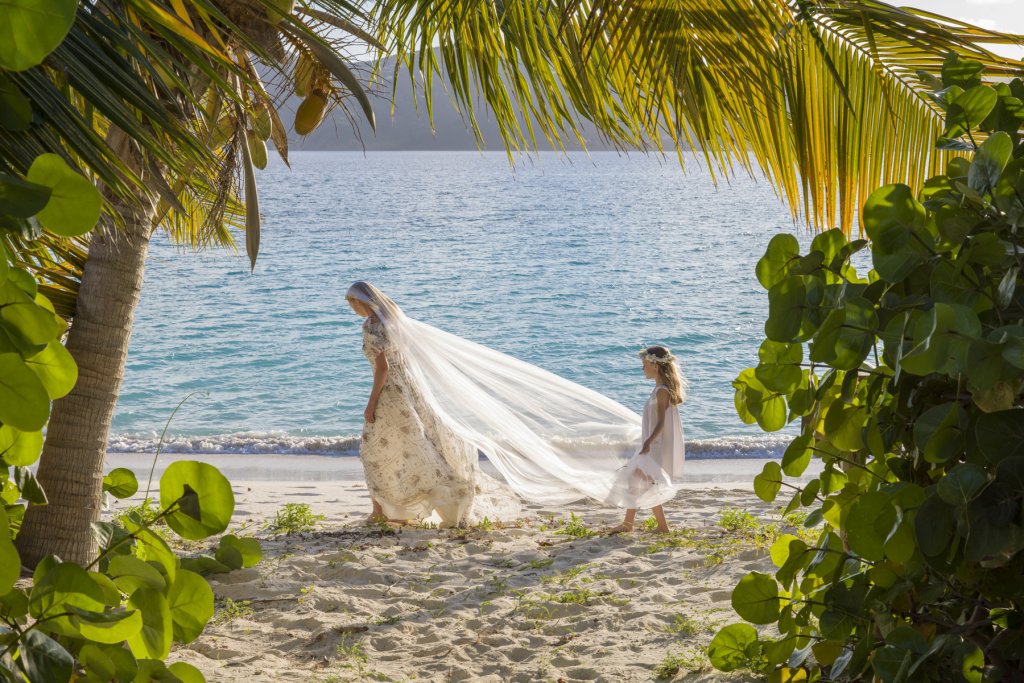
column 154, row 639
column 204, row 499
column 856, row 334
column 782, row 252
column 939, row 432
column 894, row 220
column 889, row 661
column 796, row 559
column 768, row 483
column 130, row 573
column 844, row 425
column 191, row 604
column 962, row 484
column 756, row 598
column 109, row 662
column 248, row 551
column 1000, row 435
column 871, row 519
column 10, row 561
column 756, row 403
column 19, row 197
column 989, row 161
column 150, row 547
column 186, row 673
column 121, row 483
column 1008, row 194
column 43, row 659
column 18, row 448
column 798, row 455
column 55, row 368
column 831, row 244
column 24, row 403
column 32, row 29
column 112, row 627
column 779, row 369
column 75, row 203
column 794, row 309
column 960, row 72
column 940, row 339
column 934, row 525
column 66, row 585
column 973, row 664
column 986, row 366
column 15, row 111
column 34, row 322
column 728, row 649
column 969, row 109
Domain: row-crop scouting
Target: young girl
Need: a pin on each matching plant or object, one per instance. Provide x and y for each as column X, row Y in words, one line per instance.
column 660, row 458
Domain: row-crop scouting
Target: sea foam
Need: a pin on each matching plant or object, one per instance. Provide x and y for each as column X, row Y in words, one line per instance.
column 768, row 446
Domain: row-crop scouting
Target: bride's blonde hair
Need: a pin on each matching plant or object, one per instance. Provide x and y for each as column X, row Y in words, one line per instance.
column 669, row 373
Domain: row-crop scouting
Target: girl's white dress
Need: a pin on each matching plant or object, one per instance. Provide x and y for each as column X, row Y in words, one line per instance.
column 648, row 476
column 415, row 466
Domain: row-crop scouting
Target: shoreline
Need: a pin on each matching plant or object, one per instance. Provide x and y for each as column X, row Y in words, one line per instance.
column 698, row 472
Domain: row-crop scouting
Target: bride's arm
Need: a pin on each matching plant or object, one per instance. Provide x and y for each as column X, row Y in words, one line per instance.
column 660, row 424
column 380, row 375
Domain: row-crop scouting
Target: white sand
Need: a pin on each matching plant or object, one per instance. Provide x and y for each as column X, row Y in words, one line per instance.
column 527, row 603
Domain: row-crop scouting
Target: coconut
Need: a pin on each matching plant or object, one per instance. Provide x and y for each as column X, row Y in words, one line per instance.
column 279, row 9
column 303, row 75
column 311, row 112
column 262, row 124
column 257, row 149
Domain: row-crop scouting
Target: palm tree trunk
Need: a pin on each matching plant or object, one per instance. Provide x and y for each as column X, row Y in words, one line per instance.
column 71, row 465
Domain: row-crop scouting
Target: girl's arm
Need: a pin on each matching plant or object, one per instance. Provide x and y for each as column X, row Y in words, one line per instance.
column 660, row 424
column 380, row 375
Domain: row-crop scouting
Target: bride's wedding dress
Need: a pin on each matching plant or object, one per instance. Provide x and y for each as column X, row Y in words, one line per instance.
column 415, row 466
column 446, row 400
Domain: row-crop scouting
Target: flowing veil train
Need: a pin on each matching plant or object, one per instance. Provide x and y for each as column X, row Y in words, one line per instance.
column 552, row 440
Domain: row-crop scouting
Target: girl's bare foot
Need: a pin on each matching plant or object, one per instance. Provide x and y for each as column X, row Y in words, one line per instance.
column 662, row 530
column 623, row 528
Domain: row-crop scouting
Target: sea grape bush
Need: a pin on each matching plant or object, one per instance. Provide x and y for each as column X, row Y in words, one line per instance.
column 907, row 386
column 115, row 619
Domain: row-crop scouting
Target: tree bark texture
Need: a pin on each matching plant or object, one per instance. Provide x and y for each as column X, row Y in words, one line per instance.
column 72, row 461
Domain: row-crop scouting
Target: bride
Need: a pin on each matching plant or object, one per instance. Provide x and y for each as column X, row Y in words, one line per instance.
column 438, row 401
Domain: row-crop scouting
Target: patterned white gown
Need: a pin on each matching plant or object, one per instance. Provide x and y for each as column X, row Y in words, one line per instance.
column 415, row 466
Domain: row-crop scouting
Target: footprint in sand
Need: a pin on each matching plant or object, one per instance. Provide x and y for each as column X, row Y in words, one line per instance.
column 582, row 674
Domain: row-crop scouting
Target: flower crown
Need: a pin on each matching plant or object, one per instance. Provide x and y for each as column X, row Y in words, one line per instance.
column 660, row 360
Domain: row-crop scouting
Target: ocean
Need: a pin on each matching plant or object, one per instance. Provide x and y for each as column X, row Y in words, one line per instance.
column 571, row 263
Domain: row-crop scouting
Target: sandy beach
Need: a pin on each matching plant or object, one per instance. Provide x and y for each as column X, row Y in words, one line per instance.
column 546, row 599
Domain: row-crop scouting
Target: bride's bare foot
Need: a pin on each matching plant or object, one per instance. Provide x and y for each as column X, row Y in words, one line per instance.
column 621, row 529
column 377, row 518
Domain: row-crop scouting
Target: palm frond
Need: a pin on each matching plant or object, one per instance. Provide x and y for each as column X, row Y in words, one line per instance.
column 822, row 96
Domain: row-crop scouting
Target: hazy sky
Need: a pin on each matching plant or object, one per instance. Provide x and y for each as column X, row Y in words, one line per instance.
column 999, row 15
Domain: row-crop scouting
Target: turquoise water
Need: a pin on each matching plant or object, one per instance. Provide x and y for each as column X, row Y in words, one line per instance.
column 572, row 265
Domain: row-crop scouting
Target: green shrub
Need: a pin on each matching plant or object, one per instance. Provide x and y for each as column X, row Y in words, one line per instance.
column 575, row 528
column 294, row 518
column 909, row 392
column 117, row 617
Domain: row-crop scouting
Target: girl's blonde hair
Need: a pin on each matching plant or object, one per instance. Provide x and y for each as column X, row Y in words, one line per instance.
column 669, row 373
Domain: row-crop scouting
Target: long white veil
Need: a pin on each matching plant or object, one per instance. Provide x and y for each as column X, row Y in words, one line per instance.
column 552, row 440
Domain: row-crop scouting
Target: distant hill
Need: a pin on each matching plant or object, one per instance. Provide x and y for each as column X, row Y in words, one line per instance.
column 409, row 129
